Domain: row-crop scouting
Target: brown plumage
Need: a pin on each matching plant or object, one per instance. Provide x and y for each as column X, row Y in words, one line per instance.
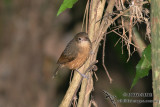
column 76, row 52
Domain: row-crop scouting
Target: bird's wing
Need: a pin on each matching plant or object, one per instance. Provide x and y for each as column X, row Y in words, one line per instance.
column 65, row 58
column 68, row 55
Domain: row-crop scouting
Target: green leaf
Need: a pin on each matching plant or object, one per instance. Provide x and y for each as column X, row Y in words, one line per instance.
column 66, row 4
column 143, row 66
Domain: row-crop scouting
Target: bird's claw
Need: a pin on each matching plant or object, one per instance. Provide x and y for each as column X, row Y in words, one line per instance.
column 83, row 75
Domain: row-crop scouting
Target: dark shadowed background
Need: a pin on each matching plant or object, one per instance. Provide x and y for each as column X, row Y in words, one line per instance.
column 32, row 38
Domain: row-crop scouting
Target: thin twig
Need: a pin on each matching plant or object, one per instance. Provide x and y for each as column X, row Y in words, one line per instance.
column 103, row 57
column 85, row 16
column 74, row 101
column 117, row 42
column 123, row 32
column 124, row 38
column 95, row 76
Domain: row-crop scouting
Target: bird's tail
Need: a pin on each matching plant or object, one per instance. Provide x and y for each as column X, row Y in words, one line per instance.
column 56, row 72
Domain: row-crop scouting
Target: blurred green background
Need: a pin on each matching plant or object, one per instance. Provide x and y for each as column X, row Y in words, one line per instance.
column 32, row 38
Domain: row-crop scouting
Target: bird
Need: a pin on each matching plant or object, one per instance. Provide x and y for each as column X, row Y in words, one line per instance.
column 76, row 53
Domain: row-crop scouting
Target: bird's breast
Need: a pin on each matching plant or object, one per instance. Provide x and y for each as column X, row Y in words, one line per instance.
column 81, row 58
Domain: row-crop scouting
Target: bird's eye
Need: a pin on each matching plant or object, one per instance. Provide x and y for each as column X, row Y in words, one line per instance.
column 79, row 39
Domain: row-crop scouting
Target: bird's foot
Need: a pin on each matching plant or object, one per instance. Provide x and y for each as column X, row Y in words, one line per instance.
column 83, row 75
